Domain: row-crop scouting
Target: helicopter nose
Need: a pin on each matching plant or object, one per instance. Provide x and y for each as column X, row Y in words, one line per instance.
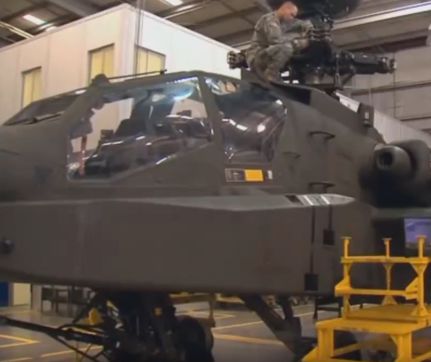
column 29, row 159
column 8, row 174
column 14, row 166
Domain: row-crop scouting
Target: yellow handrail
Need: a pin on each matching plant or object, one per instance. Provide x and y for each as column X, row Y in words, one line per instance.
column 414, row 291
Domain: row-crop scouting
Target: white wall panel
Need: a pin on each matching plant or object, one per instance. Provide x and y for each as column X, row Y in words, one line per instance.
column 33, row 54
column 69, row 61
column 184, row 49
column 394, row 130
column 10, row 82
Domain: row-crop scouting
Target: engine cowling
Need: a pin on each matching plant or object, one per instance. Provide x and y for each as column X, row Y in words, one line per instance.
column 399, row 174
column 394, row 162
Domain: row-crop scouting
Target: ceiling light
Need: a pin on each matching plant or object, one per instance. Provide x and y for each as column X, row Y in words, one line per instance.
column 175, row 2
column 33, row 19
column 49, row 28
column 261, row 128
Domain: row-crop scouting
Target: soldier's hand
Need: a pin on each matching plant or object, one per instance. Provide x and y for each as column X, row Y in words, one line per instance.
column 307, row 26
column 301, row 43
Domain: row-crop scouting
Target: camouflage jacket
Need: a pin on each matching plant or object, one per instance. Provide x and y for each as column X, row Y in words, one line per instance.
column 270, row 31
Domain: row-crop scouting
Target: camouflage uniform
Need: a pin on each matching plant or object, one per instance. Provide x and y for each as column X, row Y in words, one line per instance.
column 273, row 45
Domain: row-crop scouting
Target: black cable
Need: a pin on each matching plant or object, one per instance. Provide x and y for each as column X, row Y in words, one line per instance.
column 74, row 349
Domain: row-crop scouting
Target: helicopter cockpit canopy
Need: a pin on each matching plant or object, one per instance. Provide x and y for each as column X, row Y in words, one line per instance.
column 151, row 123
column 115, row 128
column 50, row 108
column 139, row 126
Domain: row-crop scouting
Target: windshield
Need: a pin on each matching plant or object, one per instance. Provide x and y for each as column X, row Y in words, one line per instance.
column 137, row 127
column 252, row 120
column 43, row 110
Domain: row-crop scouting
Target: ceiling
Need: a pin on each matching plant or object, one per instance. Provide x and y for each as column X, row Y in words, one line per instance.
column 229, row 21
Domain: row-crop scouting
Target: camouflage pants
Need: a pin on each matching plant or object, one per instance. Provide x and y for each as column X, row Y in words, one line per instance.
column 272, row 60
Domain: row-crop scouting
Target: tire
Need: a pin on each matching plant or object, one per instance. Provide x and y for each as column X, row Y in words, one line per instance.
column 196, row 339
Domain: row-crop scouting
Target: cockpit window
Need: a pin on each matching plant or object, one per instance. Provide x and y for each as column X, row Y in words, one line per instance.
column 138, row 127
column 252, row 119
column 43, row 110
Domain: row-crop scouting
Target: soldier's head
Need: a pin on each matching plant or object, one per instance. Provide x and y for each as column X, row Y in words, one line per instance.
column 286, row 10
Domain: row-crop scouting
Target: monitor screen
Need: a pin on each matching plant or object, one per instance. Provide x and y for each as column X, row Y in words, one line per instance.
column 415, row 228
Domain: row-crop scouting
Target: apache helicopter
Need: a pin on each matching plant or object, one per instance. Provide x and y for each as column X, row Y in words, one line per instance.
column 203, row 183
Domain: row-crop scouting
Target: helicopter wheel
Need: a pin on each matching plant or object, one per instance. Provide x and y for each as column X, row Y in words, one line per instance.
column 194, row 344
column 144, row 328
column 197, row 340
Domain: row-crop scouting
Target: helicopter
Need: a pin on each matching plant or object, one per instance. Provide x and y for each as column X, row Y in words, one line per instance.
column 141, row 187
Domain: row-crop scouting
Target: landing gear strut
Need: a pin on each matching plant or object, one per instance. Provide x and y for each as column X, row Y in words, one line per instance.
column 144, row 327
column 286, row 327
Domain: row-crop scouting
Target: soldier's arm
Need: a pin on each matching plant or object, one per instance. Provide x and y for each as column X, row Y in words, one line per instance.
column 302, row 26
column 273, row 32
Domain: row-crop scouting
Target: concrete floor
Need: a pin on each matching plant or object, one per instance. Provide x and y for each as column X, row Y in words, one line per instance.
column 240, row 337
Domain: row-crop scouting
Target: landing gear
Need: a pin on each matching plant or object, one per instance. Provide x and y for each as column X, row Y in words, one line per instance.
column 132, row 327
column 197, row 339
column 144, row 328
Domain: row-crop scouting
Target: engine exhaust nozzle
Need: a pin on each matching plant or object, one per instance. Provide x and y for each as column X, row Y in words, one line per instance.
column 393, row 161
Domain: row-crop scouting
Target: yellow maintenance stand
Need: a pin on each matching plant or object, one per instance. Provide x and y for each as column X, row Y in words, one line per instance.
column 397, row 322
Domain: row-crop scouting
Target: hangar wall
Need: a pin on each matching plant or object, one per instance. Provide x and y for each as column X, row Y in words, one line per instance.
column 392, row 129
column 405, row 95
column 63, row 53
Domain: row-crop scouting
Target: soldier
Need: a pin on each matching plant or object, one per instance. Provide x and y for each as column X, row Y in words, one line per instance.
column 277, row 37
